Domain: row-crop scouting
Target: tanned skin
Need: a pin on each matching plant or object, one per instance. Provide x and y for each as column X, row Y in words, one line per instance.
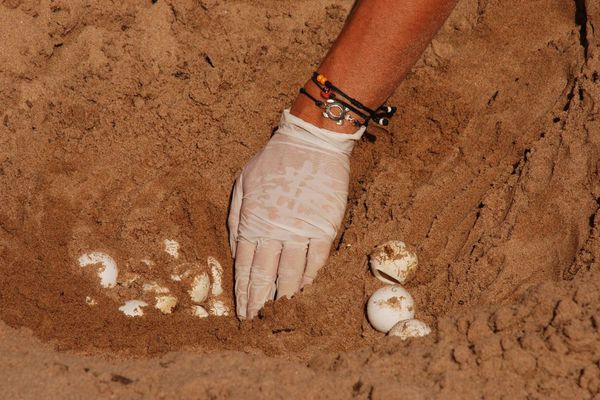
column 377, row 47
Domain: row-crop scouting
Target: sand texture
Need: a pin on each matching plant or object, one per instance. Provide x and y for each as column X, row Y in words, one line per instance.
column 123, row 124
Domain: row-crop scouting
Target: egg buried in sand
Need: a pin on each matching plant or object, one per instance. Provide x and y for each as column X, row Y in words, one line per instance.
column 410, row 328
column 393, row 263
column 389, row 305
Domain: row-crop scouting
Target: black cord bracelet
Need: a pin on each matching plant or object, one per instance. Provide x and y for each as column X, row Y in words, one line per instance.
column 336, row 110
column 380, row 116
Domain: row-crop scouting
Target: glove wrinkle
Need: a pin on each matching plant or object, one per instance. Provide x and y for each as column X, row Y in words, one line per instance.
column 290, row 199
column 338, row 142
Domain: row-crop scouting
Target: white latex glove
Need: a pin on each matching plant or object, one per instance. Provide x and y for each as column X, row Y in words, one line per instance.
column 287, row 206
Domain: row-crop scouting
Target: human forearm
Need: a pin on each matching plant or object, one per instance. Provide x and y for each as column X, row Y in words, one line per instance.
column 289, row 200
column 379, row 44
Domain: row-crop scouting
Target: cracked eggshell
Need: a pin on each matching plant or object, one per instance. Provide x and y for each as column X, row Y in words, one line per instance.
column 195, row 278
column 218, row 308
column 199, row 311
column 166, row 304
column 410, row 328
column 154, row 287
column 389, row 305
column 393, row 263
column 216, row 271
column 200, row 288
column 187, row 271
column 171, row 248
column 128, row 280
column 133, row 308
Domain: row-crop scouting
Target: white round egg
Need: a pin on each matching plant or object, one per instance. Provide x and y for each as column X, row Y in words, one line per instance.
column 392, row 262
column 389, row 305
column 410, row 328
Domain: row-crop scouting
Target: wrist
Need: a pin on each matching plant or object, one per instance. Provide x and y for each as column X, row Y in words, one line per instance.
column 300, row 129
column 305, row 109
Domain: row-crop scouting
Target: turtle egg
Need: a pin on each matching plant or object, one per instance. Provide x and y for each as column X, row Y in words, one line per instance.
column 389, row 305
column 393, row 263
column 200, row 287
column 133, row 308
column 107, row 272
column 410, row 328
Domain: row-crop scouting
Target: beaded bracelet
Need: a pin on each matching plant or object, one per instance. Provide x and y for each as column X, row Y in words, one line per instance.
column 339, row 110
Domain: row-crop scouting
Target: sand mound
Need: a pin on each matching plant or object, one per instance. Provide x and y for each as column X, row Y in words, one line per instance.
column 123, row 125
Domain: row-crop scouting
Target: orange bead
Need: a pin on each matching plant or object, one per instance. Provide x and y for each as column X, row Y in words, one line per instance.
column 321, row 79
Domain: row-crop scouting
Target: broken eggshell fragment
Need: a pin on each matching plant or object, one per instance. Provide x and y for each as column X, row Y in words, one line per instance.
column 393, row 263
column 90, row 301
column 133, row 308
column 166, row 304
column 154, row 287
column 389, row 305
column 187, row 271
column 200, row 288
column 218, row 308
column 171, row 247
column 195, row 277
column 216, row 271
column 410, row 328
column 199, row 311
column 128, row 280
column 163, row 301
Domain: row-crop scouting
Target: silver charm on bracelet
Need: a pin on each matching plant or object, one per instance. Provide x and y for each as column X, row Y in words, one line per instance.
column 336, row 111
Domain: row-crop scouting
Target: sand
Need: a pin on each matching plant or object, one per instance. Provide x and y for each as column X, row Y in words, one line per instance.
column 124, row 124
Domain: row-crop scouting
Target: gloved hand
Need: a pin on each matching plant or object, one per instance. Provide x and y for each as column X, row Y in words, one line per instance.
column 287, row 206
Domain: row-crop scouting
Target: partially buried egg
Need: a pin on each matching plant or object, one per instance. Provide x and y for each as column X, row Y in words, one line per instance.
column 200, row 287
column 410, row 328
column 107, row 271
column 389, row 305
column 392, row 262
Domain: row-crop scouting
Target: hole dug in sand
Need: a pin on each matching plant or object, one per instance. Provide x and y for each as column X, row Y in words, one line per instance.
column 117, row 134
